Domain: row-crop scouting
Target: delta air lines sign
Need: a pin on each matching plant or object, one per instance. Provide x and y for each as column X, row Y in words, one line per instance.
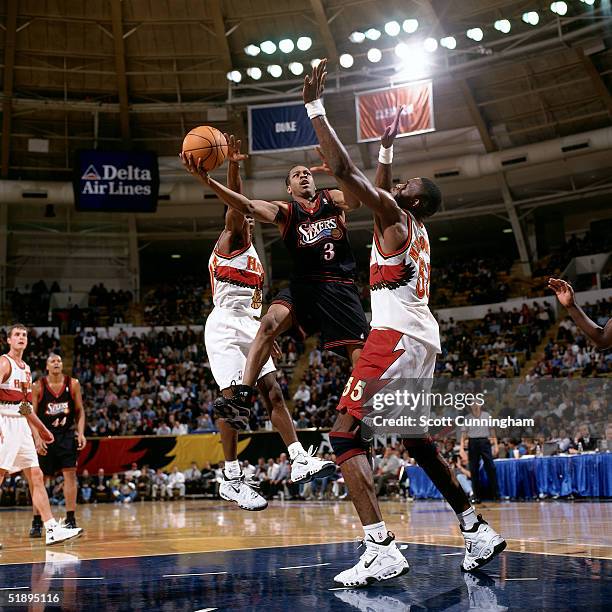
column 117, row 181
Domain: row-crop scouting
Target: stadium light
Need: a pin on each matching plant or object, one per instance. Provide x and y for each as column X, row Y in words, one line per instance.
column 531, row 18
column 296, row 68
column 448, row 42
column 357, row 37
column 346, row 60
column 286, row 45
column 415, row 64
column 315, row 62
column 410, row 26
column 503, row 26
column 175, row 256
column 252, row 50
column 560, row 8
column 475, row 34
column 254, row 73
column 275, row 70
column 443, row 239
column 374, row 55
column 373, row 34
column 507, row 230
column 589, row 2
column 392, row 28
column 268, row 47
column 235, row 76
column 430, row 45
column 304, row 43
column 402, row 50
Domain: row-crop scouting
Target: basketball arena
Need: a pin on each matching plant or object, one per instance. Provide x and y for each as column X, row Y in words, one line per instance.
column 306, row 304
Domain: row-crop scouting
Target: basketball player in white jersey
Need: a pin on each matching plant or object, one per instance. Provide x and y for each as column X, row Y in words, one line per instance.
column 402, row 344
column 17, row 450
column 237, row 280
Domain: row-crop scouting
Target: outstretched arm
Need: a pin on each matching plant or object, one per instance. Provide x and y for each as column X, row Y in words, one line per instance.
column 601, row 336
column 384, row 170
column 235, row 221
column 343, row 198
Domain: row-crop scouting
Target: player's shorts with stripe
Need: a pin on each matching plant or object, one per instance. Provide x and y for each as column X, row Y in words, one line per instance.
column 388, row 356
column 61, row 454
column 332, row 309
column 17, row 450
column 228, row 336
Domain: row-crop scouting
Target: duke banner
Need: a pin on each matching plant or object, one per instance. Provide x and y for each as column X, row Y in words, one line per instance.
column 118, row 181
column 280, row 127
column 376, row 109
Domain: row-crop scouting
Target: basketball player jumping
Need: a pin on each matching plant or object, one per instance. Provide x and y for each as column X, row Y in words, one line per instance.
column 237, row 280
column 402, row 344
column 57, row 401
column 17, row 451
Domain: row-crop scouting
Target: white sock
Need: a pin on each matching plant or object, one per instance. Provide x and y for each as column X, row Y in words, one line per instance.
column 51, row 523
column 377, row 531
column 232, row 469
column 468, row 518
column 295, row 449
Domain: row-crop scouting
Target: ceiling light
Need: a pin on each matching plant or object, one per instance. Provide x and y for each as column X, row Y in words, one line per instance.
column 374, row 55
column 235, row 76
column 373, row 34
column 346, row 60
column 415, row 62
column 296, row 68
column 430, row 44
column 443, row 239
column 286, row 45
column 392, row 28
column 175, row 256
column 267, row 46
column 559, row 7
column 531, row 18
column 589, row 2
column 410, row 26
column 448, row 42
column 315, row 62
column 275, row 70
column 357, row 37
column 254, row 73
column 503, row 26
column 402, row 50
column 475, row 34
column 507, row 230
column 304, row 43
column 252, row 50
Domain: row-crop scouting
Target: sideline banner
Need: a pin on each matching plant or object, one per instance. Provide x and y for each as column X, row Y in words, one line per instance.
column 376, row 108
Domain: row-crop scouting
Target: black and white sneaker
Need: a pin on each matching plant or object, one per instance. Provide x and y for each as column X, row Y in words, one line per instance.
column 367, row 601
column 236, row 410
column 36, row 529
column 307, row 466
column 242, row 490
column 482, row 544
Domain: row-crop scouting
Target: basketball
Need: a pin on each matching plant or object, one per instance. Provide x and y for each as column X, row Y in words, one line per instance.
column 207, row 143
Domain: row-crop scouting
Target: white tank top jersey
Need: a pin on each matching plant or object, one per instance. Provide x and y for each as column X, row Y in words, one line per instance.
column 399, row 287
column 237, row 280
column 12, row 390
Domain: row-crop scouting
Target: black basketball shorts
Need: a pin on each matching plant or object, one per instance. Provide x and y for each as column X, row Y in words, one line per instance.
column 60, row 455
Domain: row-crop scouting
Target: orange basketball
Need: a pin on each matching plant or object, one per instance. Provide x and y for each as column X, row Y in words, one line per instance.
column 207, row 143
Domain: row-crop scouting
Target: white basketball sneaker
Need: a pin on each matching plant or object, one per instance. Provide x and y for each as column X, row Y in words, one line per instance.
column 60, row 533
column 380, row 561
column 242, row 491
column 307, row 466
column 482, row 544
column 367, row 601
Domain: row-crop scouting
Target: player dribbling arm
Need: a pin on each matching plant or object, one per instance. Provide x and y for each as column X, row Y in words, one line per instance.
column 600, row 336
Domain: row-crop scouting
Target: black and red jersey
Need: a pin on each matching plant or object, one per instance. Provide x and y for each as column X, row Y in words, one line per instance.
column 56, row 411
column 318, row 241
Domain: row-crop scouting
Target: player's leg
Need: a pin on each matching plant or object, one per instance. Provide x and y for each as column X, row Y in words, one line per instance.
column 474, row 465
column 304, row 464
column 489, row 466
column 70, row 495
column 48, row 465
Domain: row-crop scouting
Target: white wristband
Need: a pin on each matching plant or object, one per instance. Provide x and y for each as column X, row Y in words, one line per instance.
column 315, row 108
column 385, row 156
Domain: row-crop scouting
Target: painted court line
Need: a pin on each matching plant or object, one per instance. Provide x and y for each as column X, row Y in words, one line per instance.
column 206, row 610
column 14, row 588
column 77, row 578
column 202, row 574
column 521, row 579
column 451, row 554
column 301, row 566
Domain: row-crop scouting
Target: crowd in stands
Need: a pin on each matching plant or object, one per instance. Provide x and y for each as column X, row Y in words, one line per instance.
column 186, row 301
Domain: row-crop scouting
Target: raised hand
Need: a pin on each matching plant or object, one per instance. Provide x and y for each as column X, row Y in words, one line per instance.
column 323, row 166
column 233, row 149
column 391, row 130
column 563, row 290
column 315, row 83
column 195, row 168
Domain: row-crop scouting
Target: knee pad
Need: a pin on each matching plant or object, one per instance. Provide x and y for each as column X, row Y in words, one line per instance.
column 421, row 449
column 347, row 444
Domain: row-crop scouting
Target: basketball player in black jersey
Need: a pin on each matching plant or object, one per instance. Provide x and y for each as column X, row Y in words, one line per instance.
column 322, row 296
column 57, row 401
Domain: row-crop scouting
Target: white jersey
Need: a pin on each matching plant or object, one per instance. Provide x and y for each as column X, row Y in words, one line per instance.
column 16, row 388
column 237, row 280
column 399, row 284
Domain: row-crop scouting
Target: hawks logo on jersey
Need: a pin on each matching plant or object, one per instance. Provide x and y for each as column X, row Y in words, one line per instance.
column 311, row 232
column 390, row 277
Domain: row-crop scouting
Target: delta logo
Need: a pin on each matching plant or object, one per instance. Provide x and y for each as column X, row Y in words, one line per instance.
column 116, row 180
column 311, row 232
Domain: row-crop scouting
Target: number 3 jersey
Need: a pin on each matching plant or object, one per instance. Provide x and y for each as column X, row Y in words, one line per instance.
column 318, row 241
column 56, row 411
column 399, row 286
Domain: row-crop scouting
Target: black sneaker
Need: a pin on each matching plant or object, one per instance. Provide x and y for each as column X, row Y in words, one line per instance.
column 70, row 523
column 36, row 530
column 236, row 410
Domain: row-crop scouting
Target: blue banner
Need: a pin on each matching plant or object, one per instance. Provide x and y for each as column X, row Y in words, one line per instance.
column 280, row 127
column 117, row 181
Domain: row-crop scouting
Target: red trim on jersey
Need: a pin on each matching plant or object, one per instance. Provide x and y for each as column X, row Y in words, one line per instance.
column 70, row 386
column 244, row 278
column 314, row 210
column 53, row 393
column 42, row 393
column 10, row 396
column 356, row 341
column 294, row 320
column 320, row 278
column 399, row 251
column 233, row 253
column 287, row 223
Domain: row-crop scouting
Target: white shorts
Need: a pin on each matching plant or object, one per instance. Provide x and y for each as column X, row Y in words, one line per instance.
column 228, row 336
column 17, row 451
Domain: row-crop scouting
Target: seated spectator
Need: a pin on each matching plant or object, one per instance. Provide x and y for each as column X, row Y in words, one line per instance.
column 176, row 483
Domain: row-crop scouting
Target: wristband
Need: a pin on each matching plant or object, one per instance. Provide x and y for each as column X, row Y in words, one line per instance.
column 385, row 156
column 315, row 108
